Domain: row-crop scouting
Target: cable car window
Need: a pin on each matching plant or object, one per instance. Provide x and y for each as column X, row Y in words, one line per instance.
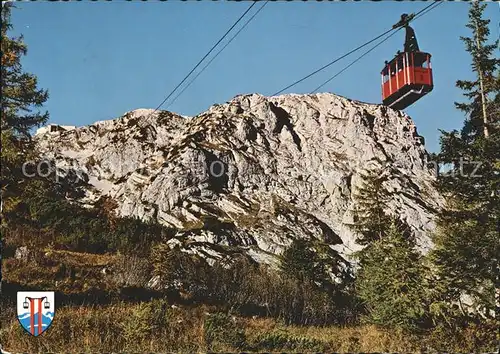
column 420, row 59
column 425, row 64
column 393, row 68
column 385, row 75
column 400, row 63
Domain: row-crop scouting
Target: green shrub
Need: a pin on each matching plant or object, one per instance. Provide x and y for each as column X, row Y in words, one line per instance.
column 464, row 335
column 392, row 283
column 146, row 319
column 94, row 230
column 280, row 340
column 242, row 285
column 221, row 329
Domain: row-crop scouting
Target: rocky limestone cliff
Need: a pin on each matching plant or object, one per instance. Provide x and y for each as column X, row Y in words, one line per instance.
column 254, row 173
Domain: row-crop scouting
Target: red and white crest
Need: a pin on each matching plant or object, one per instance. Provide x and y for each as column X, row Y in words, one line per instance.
column 35, row 310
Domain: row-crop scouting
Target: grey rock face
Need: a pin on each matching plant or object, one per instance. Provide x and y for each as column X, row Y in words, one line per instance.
column 254, row 173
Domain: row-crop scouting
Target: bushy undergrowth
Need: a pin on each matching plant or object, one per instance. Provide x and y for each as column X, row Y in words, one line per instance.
column 46, row 218
column 253, row 289
column 221, row 330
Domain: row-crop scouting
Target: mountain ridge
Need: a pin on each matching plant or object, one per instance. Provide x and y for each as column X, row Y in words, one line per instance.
column 254, row 173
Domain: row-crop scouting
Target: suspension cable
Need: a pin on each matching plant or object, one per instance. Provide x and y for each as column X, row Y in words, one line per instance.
column 356, row 60
column 220, row 51
column 331, row 63
column 432, row 7
column 202, row 59
column 436, row 4
column 347, row 54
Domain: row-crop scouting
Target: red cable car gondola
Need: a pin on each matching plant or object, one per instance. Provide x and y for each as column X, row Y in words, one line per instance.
column 408, row 76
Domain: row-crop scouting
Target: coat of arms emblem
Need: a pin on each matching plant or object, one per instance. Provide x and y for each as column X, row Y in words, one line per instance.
column 35, row 310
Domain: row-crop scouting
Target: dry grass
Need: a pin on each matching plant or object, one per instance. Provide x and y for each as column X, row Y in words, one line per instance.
column 82, row 259
column 69, row 272
column 157, row 327
column 358, row 339
column 369, row 338
column 139, row 327
column 337, row 339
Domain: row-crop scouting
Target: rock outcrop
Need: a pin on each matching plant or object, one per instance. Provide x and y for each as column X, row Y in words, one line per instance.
column 254, row 173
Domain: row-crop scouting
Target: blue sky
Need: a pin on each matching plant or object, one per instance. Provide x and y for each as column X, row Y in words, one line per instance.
column 101, row 59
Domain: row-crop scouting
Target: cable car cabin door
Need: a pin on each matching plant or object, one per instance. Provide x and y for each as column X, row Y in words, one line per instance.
column 406, row 79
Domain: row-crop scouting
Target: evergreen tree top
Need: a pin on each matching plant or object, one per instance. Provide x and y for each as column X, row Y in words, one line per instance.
column 21, row 98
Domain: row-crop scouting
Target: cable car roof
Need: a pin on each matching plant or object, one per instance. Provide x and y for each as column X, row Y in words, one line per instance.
column 400, row 54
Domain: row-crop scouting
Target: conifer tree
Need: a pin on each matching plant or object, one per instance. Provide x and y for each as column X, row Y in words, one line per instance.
column 21, row 98
column 370, row 217
column 474, row 155
column 467, row 241
column 20, row 101
column 483, row 91
column 391, row 281
column 301, row 261
column 315, row 262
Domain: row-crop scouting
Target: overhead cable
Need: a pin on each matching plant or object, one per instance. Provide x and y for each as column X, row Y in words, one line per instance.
column 220, row 51
column 205, row 56
column 345, row 55
column 436, row 4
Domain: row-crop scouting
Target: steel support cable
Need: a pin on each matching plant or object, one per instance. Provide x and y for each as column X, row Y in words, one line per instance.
column 345, row 55
column 206, row 55
column 356, row 60
column 332, row 62
column 436, row 4
column 422, row 12
column 217, row 54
